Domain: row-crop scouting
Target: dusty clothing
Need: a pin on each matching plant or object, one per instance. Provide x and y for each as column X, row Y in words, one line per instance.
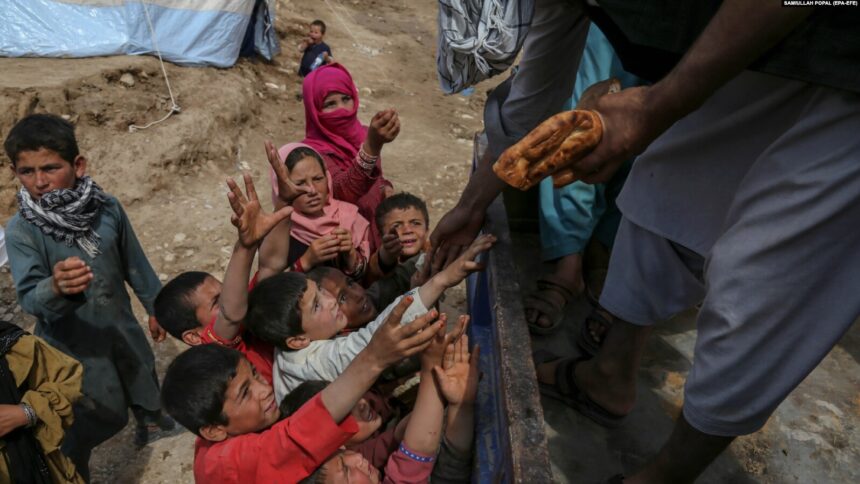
column 97, row 327
column 53, row 382
column 758, row 229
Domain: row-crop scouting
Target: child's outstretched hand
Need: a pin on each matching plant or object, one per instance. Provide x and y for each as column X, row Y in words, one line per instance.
column 391, row 247
column 392, row 341
column 71, row 276
column 465, row 264
column 384, row 128
column 287, row 190
column 457, row 377
column 248, row 217
column 432, row 356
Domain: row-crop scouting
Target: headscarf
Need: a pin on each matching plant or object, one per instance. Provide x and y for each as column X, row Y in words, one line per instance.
column 338, row 134
column 335, row 213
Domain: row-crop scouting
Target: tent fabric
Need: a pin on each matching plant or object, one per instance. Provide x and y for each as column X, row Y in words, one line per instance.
column 190, row 32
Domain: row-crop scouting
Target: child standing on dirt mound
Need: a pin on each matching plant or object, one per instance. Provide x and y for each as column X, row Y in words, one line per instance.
column 315, row 52
column 351, row 150
column 72, row 249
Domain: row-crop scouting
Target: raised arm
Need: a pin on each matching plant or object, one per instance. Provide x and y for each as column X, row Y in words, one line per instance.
column 452, row 275
column 391, row 343
column 252, row 225
column 738, row 34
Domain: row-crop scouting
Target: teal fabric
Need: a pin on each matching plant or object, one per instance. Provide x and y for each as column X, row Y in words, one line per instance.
column 97, row 327
column 570, row 215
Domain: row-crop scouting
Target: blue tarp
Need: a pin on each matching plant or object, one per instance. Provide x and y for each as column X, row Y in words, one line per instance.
column 196, row 32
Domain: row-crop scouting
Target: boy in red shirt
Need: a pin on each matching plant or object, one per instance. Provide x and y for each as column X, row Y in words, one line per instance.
column 214, row 392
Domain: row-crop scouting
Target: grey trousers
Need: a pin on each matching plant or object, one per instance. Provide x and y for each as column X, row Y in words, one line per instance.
column 750, row 206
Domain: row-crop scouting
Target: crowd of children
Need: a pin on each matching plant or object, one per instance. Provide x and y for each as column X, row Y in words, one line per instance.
column 291, row 369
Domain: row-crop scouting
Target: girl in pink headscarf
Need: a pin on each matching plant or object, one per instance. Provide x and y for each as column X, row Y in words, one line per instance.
column 350, row 150
column 324, row 231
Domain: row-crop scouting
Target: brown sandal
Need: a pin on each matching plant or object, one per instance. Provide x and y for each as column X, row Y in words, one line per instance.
column 549, row 300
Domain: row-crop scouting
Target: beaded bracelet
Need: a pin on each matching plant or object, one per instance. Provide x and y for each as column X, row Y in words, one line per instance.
column 297, row 265
column 359, row 268
column 31, row 415
column 365, row 161
column 415, row 456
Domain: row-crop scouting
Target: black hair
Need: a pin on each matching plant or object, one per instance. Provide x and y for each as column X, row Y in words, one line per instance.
column 173, row 308
column 402, row 201
column 300, row 396
column 319, row 273
column 300, row 154
column 273, row 308
column 319, row 23
column 195, row 385
column 38, row 131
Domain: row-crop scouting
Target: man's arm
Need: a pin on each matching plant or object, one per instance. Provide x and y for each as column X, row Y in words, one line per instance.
column 738, row 34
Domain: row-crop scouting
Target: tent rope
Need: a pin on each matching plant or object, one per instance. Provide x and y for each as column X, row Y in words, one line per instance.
column 174, row 108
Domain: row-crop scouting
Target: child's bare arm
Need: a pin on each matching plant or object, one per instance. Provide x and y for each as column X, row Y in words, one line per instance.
column 252, row 225
column 425, row 424
column 275, row 249
column 458, row 382
column 390, row 343
column 452, row 275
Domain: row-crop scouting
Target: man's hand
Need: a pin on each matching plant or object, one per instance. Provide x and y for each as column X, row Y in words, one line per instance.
column 287, row 190
column 392, row 341
column 452, row 235
column 156, row 331
column 629, row 126
column 384, row 128
column 321, row 250
column 457, row 377
column 71, row 276
column 465, row 264
column 389, row 252
column 11, row 418
column 248, row 217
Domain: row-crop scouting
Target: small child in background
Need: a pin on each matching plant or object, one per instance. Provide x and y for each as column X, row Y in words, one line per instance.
column 315, row 51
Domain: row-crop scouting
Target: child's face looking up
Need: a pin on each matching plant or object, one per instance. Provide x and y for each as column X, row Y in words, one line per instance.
column 367, row 419
column 351, row 298
column 337, row 100
column 44, row 171
column 315, row 34
column 205, row 300
column 321, row 316
column 308, row 173
column 249, row 402
column 350, row 467
column 410, row 226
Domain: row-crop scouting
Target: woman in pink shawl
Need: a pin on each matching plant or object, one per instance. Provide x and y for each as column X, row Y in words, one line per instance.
column 324, row 231
column 350, row 150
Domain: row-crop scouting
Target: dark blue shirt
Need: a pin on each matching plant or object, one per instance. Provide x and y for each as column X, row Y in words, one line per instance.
column 310, row 55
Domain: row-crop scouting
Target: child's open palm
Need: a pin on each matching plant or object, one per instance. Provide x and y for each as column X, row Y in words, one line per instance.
column 287, row 190
column 248, row 216
column 457, row 377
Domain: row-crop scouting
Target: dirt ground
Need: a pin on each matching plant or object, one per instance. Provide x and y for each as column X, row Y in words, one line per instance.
column 170, row 178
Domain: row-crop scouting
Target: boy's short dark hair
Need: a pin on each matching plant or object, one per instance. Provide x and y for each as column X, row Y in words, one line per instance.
column 300, row 396
column 173, row 308
column 273, row 308
column 38, row 131
column 195, row 385
column 300, row 154
column 319, row 273
column 319, row 23
column 402, row 201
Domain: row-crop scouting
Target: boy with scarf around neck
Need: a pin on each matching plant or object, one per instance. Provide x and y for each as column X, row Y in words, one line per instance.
column 71, row 250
